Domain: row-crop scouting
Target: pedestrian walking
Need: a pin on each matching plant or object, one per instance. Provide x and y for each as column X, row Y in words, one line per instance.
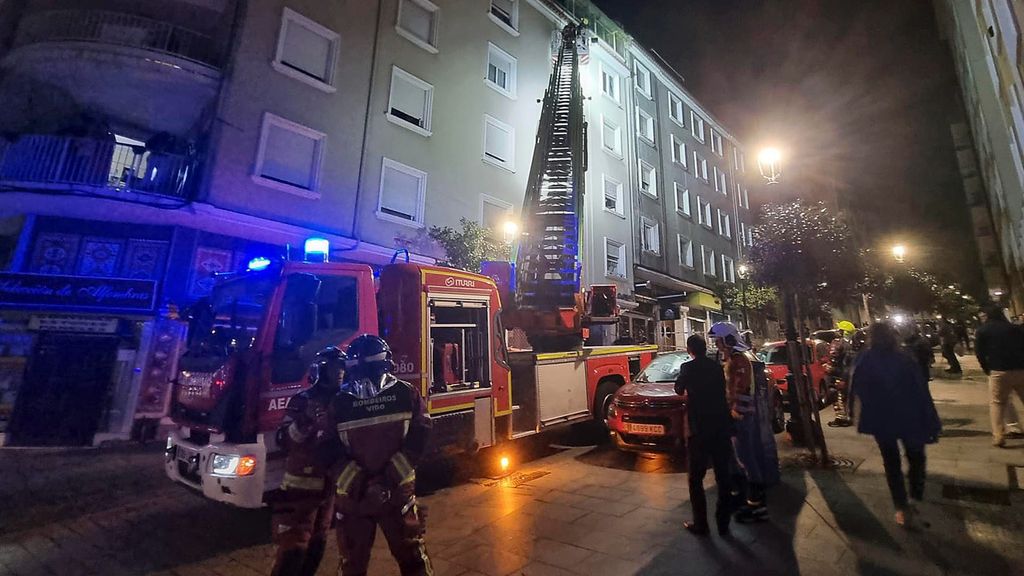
column 999, row 347
column 382, row 423
column 708, row 435
column 749, row 406
column 302, row 510
column 949, row 339
column 918, row 348
column 895, row 407
column 840, row 359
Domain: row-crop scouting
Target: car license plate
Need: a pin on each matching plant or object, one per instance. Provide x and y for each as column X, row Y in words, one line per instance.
column 649, row 429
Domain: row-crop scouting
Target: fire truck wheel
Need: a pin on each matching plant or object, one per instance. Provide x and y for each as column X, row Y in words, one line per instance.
column 602, row 400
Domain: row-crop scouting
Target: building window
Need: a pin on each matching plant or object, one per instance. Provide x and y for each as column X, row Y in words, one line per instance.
column 648, row 179
column 645, row 125
column 612, row 195
column 410, row 102
column 289, row 156
column 614, row 259
column 696, row 126
column 707, row 259
column 746, row 199
column 611, row 136
column 306, row 51
column 743, row 233
column 417, row 22
column 675, row 109
column 704, row 213
column 643, row 80
column 724, row 224
column 750, row 235
column 499, row 143
column 700, row 166
column 501, row 71
column 685, row 251
column 716, row 143
column 403, row 190
column 650, row 236
column 682, row 200
column 728, row 269
column 720, row 183
column 740, row 160
column 494, row 213
column 610, row 84
column 678, row 150
column 505, row 13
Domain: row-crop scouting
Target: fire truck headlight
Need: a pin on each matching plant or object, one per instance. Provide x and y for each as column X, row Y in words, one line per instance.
column 169, row 451
column 233, row 465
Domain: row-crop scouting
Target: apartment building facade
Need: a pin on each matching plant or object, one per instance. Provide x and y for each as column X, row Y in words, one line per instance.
column 146, row 147
column 985, row 39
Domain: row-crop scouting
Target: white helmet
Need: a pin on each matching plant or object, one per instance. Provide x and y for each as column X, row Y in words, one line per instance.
column 727, row 331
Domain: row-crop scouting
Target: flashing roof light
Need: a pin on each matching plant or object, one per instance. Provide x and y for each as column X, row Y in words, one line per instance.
column 316, row 249
column 258, row 264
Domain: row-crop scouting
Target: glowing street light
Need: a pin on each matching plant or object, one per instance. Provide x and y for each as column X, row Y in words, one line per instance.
column 769, row 163
column 899, row 252
column 511, row 228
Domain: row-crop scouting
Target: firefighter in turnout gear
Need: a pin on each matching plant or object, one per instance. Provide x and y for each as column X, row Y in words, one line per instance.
column 383, row 426
column 749, row 399
column 840, row 362
column 303, row 509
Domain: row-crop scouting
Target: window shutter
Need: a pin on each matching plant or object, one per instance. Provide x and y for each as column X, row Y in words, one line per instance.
column 497, row 142
column 409, row 99
column 400, row 193
column 306, row 51
column 418, row 20
column 289, row 157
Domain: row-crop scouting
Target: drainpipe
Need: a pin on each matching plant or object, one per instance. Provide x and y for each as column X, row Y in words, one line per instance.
column 366, row 120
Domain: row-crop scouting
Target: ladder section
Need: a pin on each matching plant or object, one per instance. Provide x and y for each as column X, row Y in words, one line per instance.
column 547, row 264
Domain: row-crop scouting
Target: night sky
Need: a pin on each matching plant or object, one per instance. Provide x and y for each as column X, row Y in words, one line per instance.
column 859, row 93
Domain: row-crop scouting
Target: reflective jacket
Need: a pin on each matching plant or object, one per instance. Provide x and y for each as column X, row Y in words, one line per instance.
column 308, row 438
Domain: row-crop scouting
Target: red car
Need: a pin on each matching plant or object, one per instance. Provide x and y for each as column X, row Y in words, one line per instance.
column 776, row 359
column 647, row 415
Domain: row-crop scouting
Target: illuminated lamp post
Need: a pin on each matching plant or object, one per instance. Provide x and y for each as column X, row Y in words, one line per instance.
column 769, row 163
column 743, row 271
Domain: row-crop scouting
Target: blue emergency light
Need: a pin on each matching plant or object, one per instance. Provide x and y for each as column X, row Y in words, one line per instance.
column 258, row 264
column 317, row 249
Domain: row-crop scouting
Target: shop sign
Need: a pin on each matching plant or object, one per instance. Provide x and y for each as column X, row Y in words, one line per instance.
column 73, row 324
column 76, row 292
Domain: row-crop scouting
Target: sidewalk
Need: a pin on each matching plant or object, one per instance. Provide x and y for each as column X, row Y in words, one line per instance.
column 582, row 511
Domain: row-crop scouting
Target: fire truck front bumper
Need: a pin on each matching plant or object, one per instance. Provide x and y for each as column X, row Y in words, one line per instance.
column 235, row 474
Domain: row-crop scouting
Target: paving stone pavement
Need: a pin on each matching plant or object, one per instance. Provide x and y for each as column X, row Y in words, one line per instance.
column 592, row 512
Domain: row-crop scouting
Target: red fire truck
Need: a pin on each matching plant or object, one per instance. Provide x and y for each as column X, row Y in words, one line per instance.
column 249, row 351
column 250, row 345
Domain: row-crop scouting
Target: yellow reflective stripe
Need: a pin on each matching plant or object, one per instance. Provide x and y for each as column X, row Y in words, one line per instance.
column 291, row 481
column 348, row 475
column 405, row 470
column 373, row 420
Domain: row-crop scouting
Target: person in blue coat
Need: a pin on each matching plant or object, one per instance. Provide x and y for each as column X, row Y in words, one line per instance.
column 895, row 407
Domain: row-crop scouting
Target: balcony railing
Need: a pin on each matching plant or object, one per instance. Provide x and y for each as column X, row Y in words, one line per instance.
column 120, row 29
column 90, row 165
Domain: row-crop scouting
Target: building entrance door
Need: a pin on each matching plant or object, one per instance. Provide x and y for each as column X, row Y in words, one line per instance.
column 66, row 388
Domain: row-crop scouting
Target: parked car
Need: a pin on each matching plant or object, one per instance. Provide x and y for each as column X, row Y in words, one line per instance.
column 776, row 359
column 647, row 415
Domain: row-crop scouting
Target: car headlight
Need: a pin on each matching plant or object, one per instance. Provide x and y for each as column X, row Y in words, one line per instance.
column 233, row 465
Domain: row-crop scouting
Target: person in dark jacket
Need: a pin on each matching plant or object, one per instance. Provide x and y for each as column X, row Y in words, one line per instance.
column 895, row 407
column 949, row 339
column 708, row 432
column 999, row 347
column 917, row 346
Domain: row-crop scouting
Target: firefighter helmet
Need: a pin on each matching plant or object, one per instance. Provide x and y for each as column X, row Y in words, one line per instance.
column 728, row 332
column 328, row 368
column 847, row 327
column 369, row 356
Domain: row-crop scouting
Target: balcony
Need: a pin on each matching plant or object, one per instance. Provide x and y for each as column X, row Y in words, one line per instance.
column 139, row 72
column 118, row 29
column 120, row 168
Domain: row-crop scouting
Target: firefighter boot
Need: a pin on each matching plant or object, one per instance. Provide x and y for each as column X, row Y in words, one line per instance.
column 842, row 418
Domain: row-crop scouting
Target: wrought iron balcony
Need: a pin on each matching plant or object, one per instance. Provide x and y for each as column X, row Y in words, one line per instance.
column 93, row 166
column 118, row 29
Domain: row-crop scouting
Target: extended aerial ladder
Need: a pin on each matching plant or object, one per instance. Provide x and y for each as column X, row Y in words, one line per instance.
column 549, row 303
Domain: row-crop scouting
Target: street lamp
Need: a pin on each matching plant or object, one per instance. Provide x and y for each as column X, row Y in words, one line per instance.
column 743, row 270
column 899, row 252
column 510, row 228
column 769, row 163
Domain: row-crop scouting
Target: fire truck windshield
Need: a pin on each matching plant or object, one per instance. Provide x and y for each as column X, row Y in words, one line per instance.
column 227, row 322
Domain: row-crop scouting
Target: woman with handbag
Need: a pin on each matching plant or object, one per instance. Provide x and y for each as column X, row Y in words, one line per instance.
column 895, row 407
